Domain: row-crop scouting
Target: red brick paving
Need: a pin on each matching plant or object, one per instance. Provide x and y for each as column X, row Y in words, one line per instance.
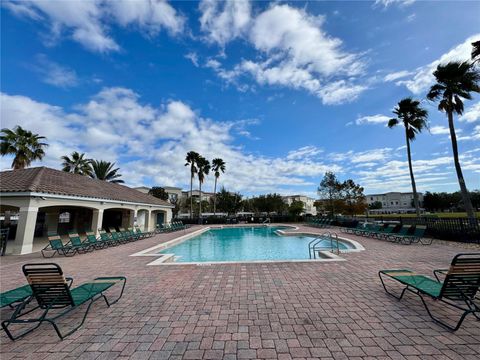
column 334, row 310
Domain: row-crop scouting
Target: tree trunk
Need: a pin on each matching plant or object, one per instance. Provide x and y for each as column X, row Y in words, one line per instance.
column 200, row 198
column 191, row 197
column 461, row 181
column 215, row 197
column 412, row 178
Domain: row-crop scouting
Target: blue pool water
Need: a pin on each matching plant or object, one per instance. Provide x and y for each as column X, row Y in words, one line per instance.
column 244, row 244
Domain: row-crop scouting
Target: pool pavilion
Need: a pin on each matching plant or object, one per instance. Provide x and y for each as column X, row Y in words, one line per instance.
column 37, row 201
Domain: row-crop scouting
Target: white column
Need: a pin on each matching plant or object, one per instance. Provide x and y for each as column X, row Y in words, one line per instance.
column 133, row 218
column 27, row 218
column 97, row 220
column 51, row 220
column 148, row 221
column 168, row 215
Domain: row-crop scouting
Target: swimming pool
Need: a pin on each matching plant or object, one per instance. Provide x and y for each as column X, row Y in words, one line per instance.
column 245, row 244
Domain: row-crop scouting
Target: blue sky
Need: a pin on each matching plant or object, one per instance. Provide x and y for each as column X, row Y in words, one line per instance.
column 283, row 91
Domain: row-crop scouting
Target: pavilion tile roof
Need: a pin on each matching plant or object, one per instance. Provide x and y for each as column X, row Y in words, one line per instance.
column 51, row 181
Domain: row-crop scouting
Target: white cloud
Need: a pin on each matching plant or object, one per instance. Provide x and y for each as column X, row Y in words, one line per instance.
column 304, row 152
column 439, row 130
column 297, row 36
column 424, row 78
column 149, row 143
column 55, row 74
column 473, row 135
column 340, row 92
column 295, row 52
column 472, row 113
column 86, row 22
column 373, row 119
column 193, row 57
column 149, row 15
column 387, row 3
column 224, row 21
column 397, row 75
column 410, row 17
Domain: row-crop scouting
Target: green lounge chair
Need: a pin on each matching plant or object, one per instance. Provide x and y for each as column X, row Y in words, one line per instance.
column 134, row 234
column 10, row 297
column 119, row 236
column 144, row 234
column 19, row 295
column 384, row 232
column 78, row 243
column 56, row 246
column 51, row 291
column 93, row 241
column 351, row 230
column 419, row 236
column 397, row 236
column 108, row 238
column 458, row 290
column 368, row 229
column 127, row 234
column 178, row 226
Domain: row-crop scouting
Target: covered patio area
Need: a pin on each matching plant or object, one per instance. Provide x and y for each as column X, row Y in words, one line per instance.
column 41, row 201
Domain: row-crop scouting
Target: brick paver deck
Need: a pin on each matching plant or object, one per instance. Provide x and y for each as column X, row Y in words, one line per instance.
column 250, row 311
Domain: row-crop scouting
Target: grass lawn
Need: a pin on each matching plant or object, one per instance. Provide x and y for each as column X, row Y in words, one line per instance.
column 440, row 215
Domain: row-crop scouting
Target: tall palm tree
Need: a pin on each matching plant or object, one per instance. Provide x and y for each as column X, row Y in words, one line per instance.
column 476, row 51
column 414, row 119
column 455, row 81
column 23, row 144
column 203, row 168
column 77, row 164
column 191, row 160
column 104, row 170
column 218, row 166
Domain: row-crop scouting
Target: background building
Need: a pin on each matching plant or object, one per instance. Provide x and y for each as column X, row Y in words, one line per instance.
column 394, row 202
column 308, row 203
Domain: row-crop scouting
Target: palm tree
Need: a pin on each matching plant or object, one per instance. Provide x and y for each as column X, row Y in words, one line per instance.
column 77, row 164
column 203, row 168
column 218, row 166
column 103, row 170
column 191, row 160
column 455, row 80
column 476, row 51
column 414, row 119
column 23, row 144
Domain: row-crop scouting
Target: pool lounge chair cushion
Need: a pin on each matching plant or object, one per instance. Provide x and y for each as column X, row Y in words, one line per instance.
column 10, row 297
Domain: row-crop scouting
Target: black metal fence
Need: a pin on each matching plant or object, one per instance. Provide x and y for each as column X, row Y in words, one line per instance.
column 453, row 229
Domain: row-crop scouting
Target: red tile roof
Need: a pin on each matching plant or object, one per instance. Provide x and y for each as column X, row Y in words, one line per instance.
column 51, row 181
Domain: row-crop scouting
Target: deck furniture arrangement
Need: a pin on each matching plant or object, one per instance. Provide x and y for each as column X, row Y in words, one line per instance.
column 57, row 247
column 458, row 290
column 170, row 227
column 54, row 298
column 76, row 245
column 409, row 234
column 320, row 222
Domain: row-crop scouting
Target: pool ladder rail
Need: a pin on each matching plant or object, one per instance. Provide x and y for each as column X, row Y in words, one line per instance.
column 313, row 249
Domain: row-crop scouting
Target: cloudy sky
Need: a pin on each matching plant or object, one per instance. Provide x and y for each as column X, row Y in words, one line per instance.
column 282, row 91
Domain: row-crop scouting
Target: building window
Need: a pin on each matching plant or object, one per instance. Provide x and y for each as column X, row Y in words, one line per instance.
column 64, row 218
